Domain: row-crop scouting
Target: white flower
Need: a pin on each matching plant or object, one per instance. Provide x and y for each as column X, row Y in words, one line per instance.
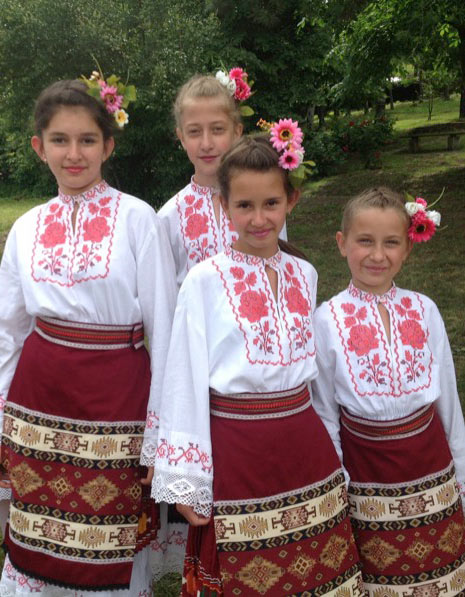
column 224, row 79
column 300, row 155
column 435, row 217
column 121, row 117
column 412, row 207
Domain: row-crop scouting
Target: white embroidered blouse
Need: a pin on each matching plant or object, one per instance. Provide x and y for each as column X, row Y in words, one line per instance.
column 192, row 228
column 114, row 268
column 232, row 335
column 378, row 379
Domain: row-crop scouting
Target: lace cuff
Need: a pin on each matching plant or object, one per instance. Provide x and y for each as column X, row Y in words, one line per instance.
column 177, row 489
column 148, row 451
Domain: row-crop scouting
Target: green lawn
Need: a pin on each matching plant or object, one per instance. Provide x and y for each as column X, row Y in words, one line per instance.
column 435, row 268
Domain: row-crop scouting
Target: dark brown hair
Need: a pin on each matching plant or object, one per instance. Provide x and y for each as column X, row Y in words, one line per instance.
column 256, row 154
column 70, row 93
column 379, row 197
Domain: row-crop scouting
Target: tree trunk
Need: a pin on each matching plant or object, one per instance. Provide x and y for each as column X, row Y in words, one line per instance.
column 310, row 116
column 461, row 31
column 391, row 98
column 380, row 108
column 321, row 113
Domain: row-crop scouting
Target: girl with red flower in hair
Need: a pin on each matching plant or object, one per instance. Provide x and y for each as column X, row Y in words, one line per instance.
column 240, row 448
column 208, row 119
column 84, row 277
column 387, row 394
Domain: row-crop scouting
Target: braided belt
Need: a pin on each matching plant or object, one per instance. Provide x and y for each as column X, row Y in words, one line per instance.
column 90, row 336
column 260, row 406
column 395, row 429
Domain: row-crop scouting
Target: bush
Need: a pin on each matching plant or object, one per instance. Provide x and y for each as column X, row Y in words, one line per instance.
column 365, row 137
column 323, row 148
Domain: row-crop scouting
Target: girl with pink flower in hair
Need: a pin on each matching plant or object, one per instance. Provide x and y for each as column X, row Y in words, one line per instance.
column 207, row 113
column 240, row 450
column 84, row 277
column 387, row 394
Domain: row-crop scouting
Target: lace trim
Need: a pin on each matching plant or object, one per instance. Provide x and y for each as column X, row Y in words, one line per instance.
column 148, row 452
column 274, row 261
column 369, row 297
column 177, row 489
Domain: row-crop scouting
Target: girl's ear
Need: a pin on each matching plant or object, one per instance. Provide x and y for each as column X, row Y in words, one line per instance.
column 238, row 130
column 108, row 148
column 409, row 249
column 341, row 243
column 38, row 147
column 180, row 136
column 292, row 200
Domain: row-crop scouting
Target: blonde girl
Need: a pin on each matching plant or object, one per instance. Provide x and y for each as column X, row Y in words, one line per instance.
column 386, row 391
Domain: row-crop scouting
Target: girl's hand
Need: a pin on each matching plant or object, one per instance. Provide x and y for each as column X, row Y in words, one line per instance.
column 147, row 480
column 196, row 520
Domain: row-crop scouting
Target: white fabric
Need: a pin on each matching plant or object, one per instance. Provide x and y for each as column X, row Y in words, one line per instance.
column 115, row 268
column 230, row 334
column 192, row 228
column 130, row 279
column 372, row 378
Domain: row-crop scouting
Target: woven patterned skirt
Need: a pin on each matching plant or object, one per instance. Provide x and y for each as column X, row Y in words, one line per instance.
column 280, row 518
column 73, row 427
column 405, row 506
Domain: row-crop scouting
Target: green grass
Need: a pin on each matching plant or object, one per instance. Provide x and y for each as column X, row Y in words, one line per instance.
column 435, row 268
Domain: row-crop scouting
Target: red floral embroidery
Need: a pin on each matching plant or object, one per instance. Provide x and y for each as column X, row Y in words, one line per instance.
column 96, row 229
column 413, row 335
column 190, row 455
column 297, row 303
column 61, row 255
column 253, row 307
column 362, row 340
column 197, row 224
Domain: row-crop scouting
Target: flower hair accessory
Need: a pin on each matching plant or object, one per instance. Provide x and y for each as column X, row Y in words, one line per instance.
column 114, row 94
column 423, row 221
column 286, row 137
column 237, row 83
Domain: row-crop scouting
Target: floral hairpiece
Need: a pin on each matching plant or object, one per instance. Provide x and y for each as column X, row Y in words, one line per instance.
column 286, row 137
column 237, row 83
column 114, row 94
column 423, row 221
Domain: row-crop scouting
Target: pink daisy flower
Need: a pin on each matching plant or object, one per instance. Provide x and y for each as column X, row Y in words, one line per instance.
column 289, row 160
column 110, row 96
column 285, row 131
column 238, row 73
column 421, row 201
column 422, row 228
column 242, row 90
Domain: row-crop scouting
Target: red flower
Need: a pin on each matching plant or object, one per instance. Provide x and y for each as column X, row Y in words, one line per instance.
column 421, row 228
column 349, row 321
column 253, row 305
column 190, row 199
column 406, row 302
column 296, row 303
column 237, row 272
column 96, row 229
column 361, row 313
column 54, row 234
column 362, row 339
column 93, row 208
column 412, row 334
column 251, row 279
column 197, row 224
column 348, row 308
column 104, row 201
column 105, row 212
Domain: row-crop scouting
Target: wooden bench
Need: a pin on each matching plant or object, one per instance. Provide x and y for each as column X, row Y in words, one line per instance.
column 453, row 138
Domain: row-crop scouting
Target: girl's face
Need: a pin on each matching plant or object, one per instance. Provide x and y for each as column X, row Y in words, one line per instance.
column 376, row 245
column 73, row 147
column 257, row 207
column 206, row 133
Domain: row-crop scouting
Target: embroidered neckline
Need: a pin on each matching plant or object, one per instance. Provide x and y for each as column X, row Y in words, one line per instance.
column 369, row 297
column 274, row 261
column 100, row 187
column 203, row 190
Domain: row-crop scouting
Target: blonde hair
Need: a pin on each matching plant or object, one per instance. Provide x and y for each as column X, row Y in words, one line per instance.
column 200, row 86
column 379, row 197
